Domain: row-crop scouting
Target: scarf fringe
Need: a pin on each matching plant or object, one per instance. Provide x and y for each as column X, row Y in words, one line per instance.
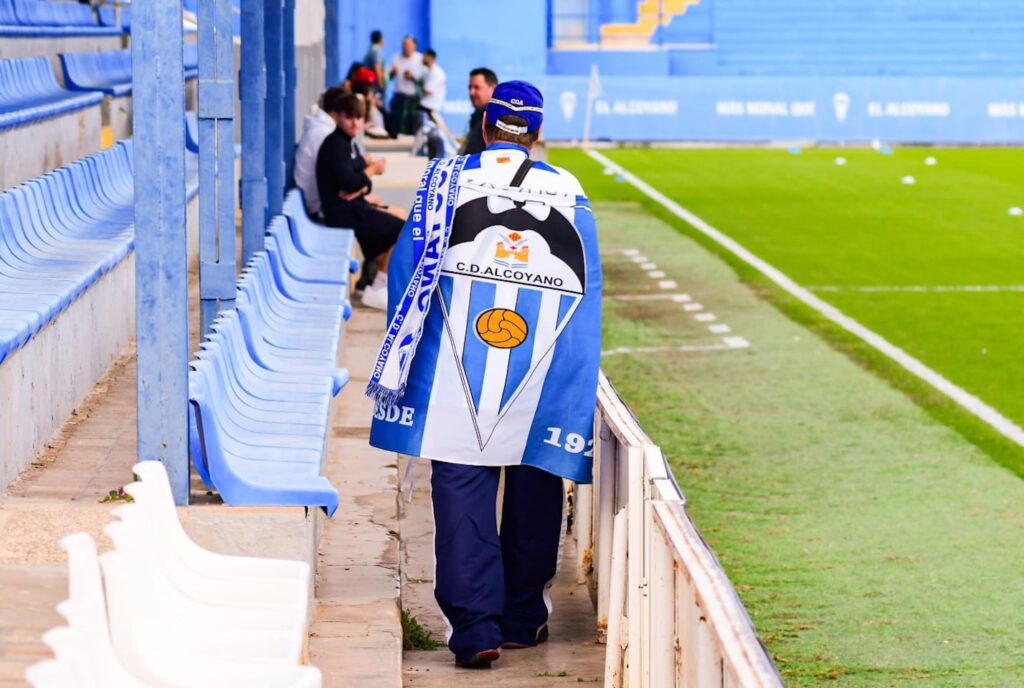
column 382, row 396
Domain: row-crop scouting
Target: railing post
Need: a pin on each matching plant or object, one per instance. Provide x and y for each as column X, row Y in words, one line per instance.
column 290, row 82
column 332, row 43
column 217, row 267
column 582, row 523
column 605, row 514
column 273, row 23
column 635, row 584
column 252, row 86
column 161, row 252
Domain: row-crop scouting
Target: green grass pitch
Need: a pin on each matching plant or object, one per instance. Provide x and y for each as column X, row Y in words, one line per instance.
column 872, row 545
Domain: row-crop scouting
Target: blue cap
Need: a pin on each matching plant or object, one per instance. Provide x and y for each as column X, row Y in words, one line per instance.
column 516, row 98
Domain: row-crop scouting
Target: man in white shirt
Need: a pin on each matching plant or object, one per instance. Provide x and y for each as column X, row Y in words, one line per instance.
column 315, row 128
column 406, row 70
column 435, row 82
column 434, row 85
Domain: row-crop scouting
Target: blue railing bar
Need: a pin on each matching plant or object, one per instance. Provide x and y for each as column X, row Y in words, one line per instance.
column 290, row 81
column 161, row 262
column 332, row 44
column 273, row 22
column 217, row 268
column 252, row 84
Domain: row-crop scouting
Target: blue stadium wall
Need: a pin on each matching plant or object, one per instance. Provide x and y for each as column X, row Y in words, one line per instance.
column 938, row 71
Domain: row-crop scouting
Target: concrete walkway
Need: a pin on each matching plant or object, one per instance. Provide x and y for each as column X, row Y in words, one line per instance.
column 571, row 656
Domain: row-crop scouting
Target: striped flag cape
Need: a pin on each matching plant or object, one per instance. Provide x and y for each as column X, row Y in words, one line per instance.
column 503, row 370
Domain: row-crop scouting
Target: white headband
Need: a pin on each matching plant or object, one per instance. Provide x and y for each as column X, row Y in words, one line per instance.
column 511, row 128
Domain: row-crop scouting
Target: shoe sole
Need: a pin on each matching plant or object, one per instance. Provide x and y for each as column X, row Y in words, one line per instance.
column 542, row 637
column 481, row 660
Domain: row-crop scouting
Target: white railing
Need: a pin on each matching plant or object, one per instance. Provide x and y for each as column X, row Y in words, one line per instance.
column 668, row 611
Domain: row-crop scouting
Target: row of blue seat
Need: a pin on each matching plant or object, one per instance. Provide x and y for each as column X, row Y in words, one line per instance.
column 49, row 18
column 110, row 71
column 261, row 385
column 61, row 232
column 29, row 91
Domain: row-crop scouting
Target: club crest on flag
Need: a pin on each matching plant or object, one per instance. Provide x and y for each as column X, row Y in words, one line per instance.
column 512, row 278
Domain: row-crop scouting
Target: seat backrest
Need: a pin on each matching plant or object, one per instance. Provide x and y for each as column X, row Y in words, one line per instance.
column 92, row 70
column 7, row 15
column 41, row 13
column 25, row 78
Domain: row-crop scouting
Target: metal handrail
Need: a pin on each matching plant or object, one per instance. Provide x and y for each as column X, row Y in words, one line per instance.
column 669, row 614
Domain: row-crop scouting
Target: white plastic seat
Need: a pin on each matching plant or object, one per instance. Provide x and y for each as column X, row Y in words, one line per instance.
column 50, row 673
column 169, row 533
column 142, row 599
column 139, row 534
column 86, row 613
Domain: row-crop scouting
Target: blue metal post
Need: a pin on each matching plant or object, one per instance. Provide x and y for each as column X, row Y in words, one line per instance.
column 161, row 269
column 252, row 86
column 273, row 23
column 290, row 81
column 332, row 43
column 217, row 267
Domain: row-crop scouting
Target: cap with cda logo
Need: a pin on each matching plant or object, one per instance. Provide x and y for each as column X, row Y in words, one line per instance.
column 516, row 98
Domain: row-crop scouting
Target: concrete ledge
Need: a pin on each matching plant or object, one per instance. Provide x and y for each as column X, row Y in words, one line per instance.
column 48, row 46
column 43, row 381
column 37, row 148
column 117, row 114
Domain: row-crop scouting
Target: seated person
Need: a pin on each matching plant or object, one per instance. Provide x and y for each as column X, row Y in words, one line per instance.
column 315, row 128
column 364, row 83
column 343, row 180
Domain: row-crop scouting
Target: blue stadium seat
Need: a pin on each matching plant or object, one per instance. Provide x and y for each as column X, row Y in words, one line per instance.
column 109, row 71
column 108, row 17
column 29, row 92
column 261, row 386
column 48, row 13
column 46, row 18
column 61, row 232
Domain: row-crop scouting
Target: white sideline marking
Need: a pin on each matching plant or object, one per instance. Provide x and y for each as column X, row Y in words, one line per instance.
column 630, row 251
column 648, row 266
column 675, row 349
column 736, row 342
column 691, row 307
column 968, row 401
column 922, row 288
column 719, row 328
column 656, row 274
column 668, row 284
column 639, row 259
column 705, row 317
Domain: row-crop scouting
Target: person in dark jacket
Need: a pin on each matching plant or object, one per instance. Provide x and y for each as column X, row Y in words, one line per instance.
column 343, row 179
column 481, row 86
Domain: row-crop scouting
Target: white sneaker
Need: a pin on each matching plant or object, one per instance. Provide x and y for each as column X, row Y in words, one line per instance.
column 376, row 297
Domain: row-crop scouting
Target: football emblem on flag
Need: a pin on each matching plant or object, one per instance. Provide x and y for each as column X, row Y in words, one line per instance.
column 502, row 328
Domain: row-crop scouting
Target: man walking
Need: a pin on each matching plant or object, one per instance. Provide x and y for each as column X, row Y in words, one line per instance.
column 490, row 363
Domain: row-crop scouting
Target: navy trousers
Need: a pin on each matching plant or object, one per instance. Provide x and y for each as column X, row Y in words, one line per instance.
column 492, row 587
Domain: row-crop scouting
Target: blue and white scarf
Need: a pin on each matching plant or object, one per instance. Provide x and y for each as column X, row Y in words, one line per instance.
column 432, row 215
